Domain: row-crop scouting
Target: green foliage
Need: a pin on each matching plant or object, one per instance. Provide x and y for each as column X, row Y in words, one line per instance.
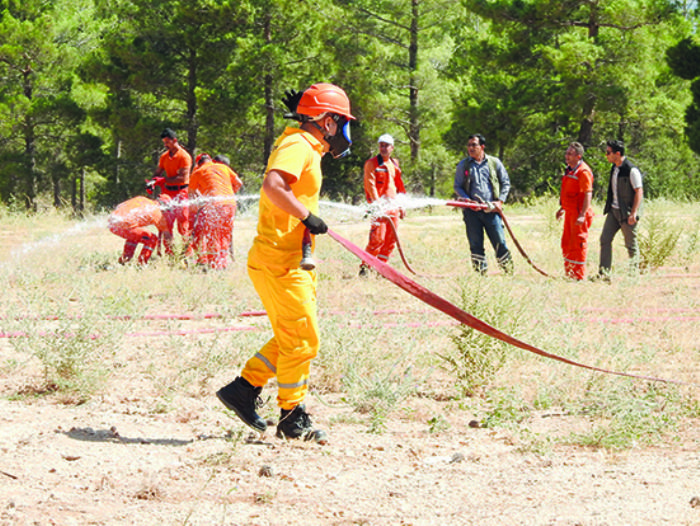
column 657, row 239
column 86, row 87
column 506, row 408
column 71, row 357
column 379, row 394
column 626, row 415
column 478, row 357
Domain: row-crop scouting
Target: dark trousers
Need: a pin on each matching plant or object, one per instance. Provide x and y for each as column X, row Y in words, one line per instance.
column 477, row 222
column 614, row 223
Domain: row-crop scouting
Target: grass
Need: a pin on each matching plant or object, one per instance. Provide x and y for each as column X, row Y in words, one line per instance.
column 384, row 353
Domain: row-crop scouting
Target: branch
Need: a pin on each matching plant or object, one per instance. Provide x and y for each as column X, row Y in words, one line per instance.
column 382, row 19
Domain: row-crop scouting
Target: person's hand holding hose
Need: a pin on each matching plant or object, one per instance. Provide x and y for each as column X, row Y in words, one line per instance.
column 315, row 224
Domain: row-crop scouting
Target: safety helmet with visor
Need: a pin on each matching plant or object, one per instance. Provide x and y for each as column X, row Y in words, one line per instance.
column 321, row 100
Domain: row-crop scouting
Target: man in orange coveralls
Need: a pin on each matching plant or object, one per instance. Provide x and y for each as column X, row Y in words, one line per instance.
column 173, row 175
column 575, row 206
column 383, row 180
column 130, row 219
column 288, row 206
column 212, row 209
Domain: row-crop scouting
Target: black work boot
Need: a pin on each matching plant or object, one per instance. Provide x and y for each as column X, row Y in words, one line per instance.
column 243, row 399
column 296, row 423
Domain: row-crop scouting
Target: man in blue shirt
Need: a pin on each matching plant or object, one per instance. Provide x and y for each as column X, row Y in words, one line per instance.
column 482, row 178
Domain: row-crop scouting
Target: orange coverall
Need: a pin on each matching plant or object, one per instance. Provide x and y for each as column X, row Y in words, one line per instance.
column 383, row 179
column 212, row 209
column 171, row 164
column 288, row 293
column 129, row 220
column 575, row 184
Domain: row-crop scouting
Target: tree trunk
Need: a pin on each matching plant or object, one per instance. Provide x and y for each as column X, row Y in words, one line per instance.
column 269, row 103
column 192, row 124
column 56, row 183
column 29, row 146
column 81, row 206
column 414, row 125
column 585, row 134
column 73, row 195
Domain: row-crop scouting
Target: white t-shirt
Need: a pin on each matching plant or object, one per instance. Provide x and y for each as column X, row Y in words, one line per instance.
column 635, row 181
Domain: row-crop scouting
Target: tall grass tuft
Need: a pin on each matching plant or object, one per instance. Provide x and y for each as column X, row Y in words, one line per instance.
column 476, row 357
column 657, row 241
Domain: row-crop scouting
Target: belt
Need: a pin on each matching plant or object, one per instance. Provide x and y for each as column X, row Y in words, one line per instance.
column 176, row 187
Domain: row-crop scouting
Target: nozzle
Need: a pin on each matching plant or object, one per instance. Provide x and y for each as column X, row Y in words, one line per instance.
column 307, row 261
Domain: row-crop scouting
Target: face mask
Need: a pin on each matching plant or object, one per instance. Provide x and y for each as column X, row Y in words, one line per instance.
column 339, row 144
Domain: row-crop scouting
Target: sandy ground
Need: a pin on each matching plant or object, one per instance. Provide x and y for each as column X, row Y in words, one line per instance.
column 113, row 461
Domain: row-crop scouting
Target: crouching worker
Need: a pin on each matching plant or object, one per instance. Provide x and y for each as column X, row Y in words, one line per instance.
column 130, row 221
column 288, row 206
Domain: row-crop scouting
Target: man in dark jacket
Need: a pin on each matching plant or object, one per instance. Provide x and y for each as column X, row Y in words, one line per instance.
column 622, row 207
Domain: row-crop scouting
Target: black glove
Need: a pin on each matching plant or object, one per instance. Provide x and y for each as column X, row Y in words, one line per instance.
column 291, row 100
column 315, row 224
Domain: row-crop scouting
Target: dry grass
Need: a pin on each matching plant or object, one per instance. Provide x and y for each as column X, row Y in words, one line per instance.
column 376, row 338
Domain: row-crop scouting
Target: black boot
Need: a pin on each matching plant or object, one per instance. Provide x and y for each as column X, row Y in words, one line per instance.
column 242, row 398
column 296, row 423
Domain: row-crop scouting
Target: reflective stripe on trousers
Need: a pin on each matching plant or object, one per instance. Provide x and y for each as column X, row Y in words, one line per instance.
column 289, row 297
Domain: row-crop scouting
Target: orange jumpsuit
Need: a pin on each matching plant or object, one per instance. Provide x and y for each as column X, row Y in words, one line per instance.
column 129, row 220
column 171, row 164
column 383, row 180
column 288, row 293
column 575, row 184
column 212, row 209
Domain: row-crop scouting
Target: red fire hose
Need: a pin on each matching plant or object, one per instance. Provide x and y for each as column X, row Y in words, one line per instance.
column 463, row 317
column 399, row 247
column 481, row 206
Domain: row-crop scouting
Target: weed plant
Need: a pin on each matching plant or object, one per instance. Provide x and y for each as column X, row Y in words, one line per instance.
column 478, row 357
column 657, row 239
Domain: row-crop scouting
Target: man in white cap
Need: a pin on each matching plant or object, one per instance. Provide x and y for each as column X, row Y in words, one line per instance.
column 383, row 181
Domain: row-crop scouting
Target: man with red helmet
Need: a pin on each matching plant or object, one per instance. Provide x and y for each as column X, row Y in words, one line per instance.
column 288, row 206
column 212, row 209
column 173, row 175
column 383, row 181
column 130, row 220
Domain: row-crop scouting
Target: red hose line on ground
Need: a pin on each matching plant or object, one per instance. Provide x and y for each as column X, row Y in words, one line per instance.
column 480, row 206
column 463, row 317
column 150, row 317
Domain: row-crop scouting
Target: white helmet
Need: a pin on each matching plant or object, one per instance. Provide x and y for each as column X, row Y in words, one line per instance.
column 386, row 138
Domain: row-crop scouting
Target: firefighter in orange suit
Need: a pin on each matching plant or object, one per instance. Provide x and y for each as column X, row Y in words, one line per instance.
column 383, row 181
column 288, row 206
column 575, row 207
column 212, row 209
column 174, row 166
column 130, row 220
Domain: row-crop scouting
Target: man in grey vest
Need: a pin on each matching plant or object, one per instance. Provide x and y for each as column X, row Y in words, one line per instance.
column 482, row 178
column 622, row 208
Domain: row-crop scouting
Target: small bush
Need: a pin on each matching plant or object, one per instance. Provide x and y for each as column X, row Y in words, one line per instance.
column 657, row 241
column 478, row 357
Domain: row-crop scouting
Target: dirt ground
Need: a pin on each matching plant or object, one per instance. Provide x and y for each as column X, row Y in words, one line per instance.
column 114, row 461
column 117, row 459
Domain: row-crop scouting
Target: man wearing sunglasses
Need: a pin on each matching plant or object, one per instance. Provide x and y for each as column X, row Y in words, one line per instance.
column 622, row 208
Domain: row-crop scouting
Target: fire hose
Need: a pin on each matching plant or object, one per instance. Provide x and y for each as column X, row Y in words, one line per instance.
column 465, row 318
column 483, row 206
column 398, row 245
